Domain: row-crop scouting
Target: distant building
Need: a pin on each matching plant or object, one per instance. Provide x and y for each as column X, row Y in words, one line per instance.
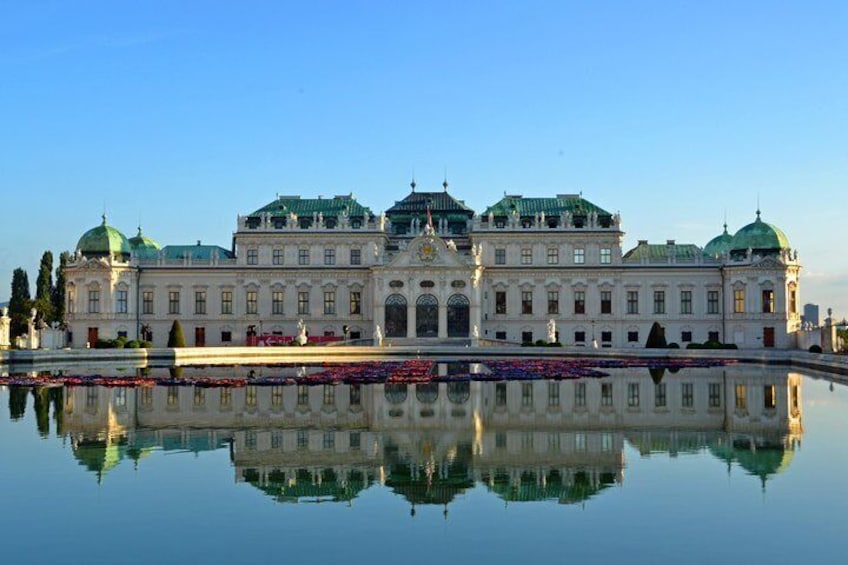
column 431, row 269
column 811, row 315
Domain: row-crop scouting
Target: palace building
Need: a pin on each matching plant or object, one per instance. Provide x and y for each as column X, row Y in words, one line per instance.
column 432, row 270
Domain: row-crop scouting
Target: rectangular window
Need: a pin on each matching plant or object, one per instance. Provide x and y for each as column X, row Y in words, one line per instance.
column 712, row 336
column 659, row 395
column 579, row 255
column 251, row 302
column 659, row 302
column 633, row 395
column 355, row 394
column 687, row 395
column 526, row 301
column 93, row 301
column 302, row 438
column 606, row 302
column 686, row 336
column 606, row 394
column 253, row 256
column 606, row 337
column 715, row 395
column 580, row 394
column 553, row 393
column 553, row 256
column 632, row 337
column 580, row 337
column 199, row 397
column 500, row 302
column 226, row 302
column 685, row 301
column 500, row 256
column 769, row 397
column 225, row 400
column 303, row 302
column 329, row 256
column 278, row 257
column 226, row 336
column 739, row 301
column 526, row 337
column 174, row 302
column 741, row 397
column 500, row 335
column 121, row 306
column 303, row 256
column 768, row 301
column 606, row 255
column 500, row 394
column 302, row 395
column 553, row 302
column 277, row 301
column 632, row 301
column 526, row 256
column 793, row 301
column 527, row 394
column 147, row 302
column 329, row 398
column 579, row 302
column 329, row 302
column 355, row 302
column 200, row 302
column 712, row 302
column 355, row 256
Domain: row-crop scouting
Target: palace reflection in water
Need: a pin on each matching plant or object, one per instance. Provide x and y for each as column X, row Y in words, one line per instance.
column 523, row 440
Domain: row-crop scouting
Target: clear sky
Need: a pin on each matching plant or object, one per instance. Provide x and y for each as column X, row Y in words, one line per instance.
column 181, row 115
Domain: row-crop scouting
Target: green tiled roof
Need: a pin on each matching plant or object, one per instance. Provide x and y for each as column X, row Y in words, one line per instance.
column 103, row 240
column 759, row 235
column 719, row 244
column 142, row 242
column 198, row 252
column 305, row 207
column 662, row 251
column 575, row 205
column 441, row 204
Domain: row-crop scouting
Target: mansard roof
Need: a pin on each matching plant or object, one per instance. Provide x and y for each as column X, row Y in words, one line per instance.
column 306, row 207
column 196, row 252
column 663, row 251
column 440, row 204
column 572, row 203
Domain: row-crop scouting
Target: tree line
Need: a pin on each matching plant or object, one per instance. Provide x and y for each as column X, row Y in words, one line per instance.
column 49, row 300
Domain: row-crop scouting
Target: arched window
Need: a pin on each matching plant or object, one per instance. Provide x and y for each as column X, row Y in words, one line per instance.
column 458, row 316
column 395, row 393
column 427, row 316
column 395, row 318
column 427, row 393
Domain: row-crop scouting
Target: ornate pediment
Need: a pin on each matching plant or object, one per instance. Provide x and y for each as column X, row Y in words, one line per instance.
column 769, row 264
column 94, row 264
column 429, row 250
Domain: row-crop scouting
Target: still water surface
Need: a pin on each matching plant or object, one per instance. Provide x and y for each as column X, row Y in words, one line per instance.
column 736, row 464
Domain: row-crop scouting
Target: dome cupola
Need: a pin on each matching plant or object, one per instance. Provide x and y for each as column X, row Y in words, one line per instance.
column 718, row 245
column 104, row 241
column 143, row 243
column 759, row 237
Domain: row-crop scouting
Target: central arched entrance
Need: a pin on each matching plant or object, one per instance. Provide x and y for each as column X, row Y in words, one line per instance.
column 395, row 322
column 427, row 316
column 458, row 315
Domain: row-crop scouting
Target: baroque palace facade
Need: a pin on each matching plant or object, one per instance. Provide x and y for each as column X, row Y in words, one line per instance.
column 431, row 269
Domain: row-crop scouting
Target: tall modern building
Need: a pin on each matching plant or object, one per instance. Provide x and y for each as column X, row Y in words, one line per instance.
column 431, row 268
column 811, row 315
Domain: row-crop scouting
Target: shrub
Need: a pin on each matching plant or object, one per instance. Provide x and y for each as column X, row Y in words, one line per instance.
column 540, row 343
column 146, row 344
column 674, row 345
column 133, row 344
column 527, row 344
column 656, row 337
column 815, row 349
column 104, row 344
column 694, row 345
column 175, row 335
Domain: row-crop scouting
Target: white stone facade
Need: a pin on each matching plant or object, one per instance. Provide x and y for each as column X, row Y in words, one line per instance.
column 508, row 278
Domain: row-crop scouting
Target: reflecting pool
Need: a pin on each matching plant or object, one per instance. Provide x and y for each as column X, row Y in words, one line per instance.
column 466, row 461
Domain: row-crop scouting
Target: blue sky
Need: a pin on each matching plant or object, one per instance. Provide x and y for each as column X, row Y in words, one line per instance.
column 181, row 115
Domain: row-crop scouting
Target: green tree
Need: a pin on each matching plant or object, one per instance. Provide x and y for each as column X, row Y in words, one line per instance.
column 44, row 289
column 656, row 337
column 58, row 295
column 175, row 335
column 20, row 302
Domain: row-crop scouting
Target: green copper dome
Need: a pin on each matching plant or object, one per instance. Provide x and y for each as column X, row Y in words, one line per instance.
column 141, row 242
column 759, row 235
column 103, row 241
column 719, row 244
